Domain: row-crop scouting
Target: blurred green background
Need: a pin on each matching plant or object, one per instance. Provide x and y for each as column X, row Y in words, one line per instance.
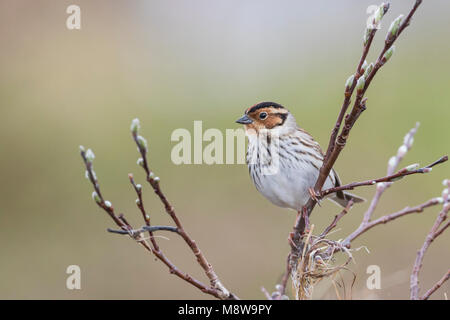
column 170, row 63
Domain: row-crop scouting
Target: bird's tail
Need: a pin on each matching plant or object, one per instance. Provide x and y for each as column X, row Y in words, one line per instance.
column 342, row 198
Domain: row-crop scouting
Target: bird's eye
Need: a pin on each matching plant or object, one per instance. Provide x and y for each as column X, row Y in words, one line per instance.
column 263, row 115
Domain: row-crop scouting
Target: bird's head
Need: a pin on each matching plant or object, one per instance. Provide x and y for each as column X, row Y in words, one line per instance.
column 267, row 115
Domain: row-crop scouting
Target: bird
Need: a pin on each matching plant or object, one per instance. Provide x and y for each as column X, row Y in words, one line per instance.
column 284, row 160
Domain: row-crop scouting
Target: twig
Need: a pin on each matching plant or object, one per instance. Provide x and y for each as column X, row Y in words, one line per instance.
column 88, row 157
column 431, row 236
column 216, row 288
column 392, row 166
column 360, row 82
column 365, row 226
column 336, row 219
column 436, row 286
column 133, row 232
column 266, row 293
column 216, row 284
column 390, row 178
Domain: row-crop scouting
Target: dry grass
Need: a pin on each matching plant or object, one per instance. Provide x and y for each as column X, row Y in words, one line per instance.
column 318, row 262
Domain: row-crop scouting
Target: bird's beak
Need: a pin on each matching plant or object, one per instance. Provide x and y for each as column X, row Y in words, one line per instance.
column 244, row 120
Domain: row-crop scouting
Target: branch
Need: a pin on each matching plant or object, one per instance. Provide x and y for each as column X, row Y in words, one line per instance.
column 392, row 165
column 436, row 286
column 382, row 185
column 336, row 219
column 390, row 178
column 216, row 288
column 133, row 233
column 360, row 82
column 438, row 228
column 365, row 226
column 431, row 236
column 216, row 284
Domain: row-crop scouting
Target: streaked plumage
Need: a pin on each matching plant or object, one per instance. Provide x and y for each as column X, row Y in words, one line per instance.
column 285, row 176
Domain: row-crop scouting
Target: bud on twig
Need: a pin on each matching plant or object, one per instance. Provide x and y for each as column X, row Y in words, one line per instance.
column 393, row 29
column 392, row 162
column 142, row 142
column 96, row 197
column 90, row 156
column 108, row 204
column 412, row 167
column 135, row 126
column 138, row 187
column 140, row 162
column 388, row 54
column 368, row 70
column 363, row 67
column 382, row 9
column 349, row 82
column 402, row 151
column 361, row 83
column 380, row 186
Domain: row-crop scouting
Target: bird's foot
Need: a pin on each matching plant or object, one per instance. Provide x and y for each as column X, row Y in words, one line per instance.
column 315, row 196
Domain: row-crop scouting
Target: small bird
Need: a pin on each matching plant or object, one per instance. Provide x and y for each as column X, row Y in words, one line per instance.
column 283, row 159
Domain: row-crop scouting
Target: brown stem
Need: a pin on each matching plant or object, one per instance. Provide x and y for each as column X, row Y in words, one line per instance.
column 338, row 141
column 431, row 236
column 436, row 286
column 366, row 226
column 216, row 289
column 390, row 178
column 216, row 284
column 336, row 219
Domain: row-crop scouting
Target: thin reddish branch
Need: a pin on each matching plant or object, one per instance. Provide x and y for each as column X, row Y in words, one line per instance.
column 126, row 227
column 338, row 141
column 390, row 178
column 348, row 94
column 216, row 284
column 392, row 166
column 366, row 226
column 336, row 219
column 435, row 231
column 145, row 216
column 388, row 44
column 216, row 288
column 438, row 228
column 436, row 286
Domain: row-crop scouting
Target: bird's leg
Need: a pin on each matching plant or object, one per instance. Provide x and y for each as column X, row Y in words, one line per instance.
column 315, row 196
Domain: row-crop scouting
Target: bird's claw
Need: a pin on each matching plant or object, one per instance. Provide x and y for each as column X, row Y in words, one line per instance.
column 315, row 196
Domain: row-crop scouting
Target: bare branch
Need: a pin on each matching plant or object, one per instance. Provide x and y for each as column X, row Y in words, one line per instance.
column 133, row 233
column 392, row 165
column 365, row 226
column 216, row 288
column 154, row 181
column 390, row 178
column 359, row 82
column 336, row 219
column 431, row 236
column 436, row 286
